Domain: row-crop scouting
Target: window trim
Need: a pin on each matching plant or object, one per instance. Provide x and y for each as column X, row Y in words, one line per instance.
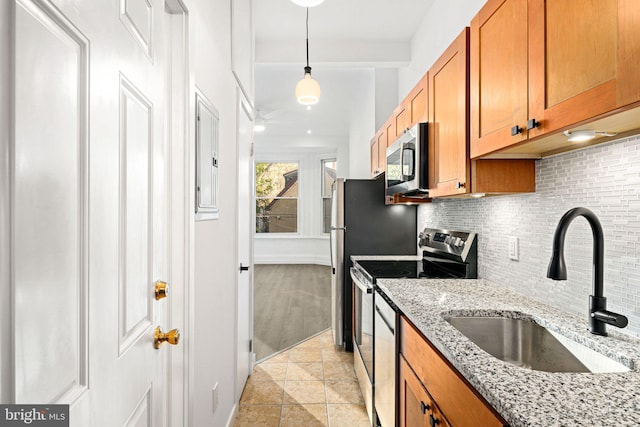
column 297, row 198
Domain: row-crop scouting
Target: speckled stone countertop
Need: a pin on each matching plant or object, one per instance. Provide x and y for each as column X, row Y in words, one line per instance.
column 522, row 396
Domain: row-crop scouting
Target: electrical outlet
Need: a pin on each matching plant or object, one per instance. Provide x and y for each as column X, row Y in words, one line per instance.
column 215, row 397
column 513, row 248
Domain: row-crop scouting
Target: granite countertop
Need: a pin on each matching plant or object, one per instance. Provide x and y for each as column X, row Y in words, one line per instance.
column 522, row 396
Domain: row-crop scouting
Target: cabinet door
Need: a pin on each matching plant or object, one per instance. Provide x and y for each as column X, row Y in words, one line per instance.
column 417, row 408
column 402, row 115
column 390, row 127
column 413, row 399
column 374, row 157
column 580, row 59
column 448, row 117
column 382, row 151
column 499, row 82
column 417, row 101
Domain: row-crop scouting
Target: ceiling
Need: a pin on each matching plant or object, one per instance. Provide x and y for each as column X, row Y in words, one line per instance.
column 347, row 40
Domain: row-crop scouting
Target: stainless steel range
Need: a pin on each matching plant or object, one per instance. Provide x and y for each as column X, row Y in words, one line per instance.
column 446, row 254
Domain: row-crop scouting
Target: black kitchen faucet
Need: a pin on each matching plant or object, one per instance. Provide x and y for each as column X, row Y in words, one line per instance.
column 598, row 315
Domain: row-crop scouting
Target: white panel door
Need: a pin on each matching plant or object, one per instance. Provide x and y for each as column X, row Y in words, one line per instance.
column 245, row 226
column 88, row 209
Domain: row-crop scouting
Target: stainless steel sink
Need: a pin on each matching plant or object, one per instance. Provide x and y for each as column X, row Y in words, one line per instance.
column 524, row 343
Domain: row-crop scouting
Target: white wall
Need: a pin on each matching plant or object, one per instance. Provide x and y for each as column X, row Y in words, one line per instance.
column 442, row 24
column 310, row 245
column 214, row 257
column 386, row 90
column 362, row 127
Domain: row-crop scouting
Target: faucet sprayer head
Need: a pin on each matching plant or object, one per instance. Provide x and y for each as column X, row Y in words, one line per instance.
column 557, row 269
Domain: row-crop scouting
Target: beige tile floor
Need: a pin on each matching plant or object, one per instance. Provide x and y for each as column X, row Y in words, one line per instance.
column 311, row 384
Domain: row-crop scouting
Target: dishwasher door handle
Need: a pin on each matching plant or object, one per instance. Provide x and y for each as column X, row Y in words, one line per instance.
column 386, row 322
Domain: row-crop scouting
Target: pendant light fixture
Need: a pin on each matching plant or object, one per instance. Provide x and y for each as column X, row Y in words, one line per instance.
column 307, row 3
column 308, row 90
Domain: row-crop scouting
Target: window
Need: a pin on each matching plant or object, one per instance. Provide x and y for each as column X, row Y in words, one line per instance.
column 328, row 177
column 276, row 197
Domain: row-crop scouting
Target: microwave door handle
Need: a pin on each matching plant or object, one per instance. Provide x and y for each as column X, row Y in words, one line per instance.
column 411, row 173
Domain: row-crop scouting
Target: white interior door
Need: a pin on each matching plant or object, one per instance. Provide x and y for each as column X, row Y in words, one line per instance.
column 89, row 209
column 246, row 224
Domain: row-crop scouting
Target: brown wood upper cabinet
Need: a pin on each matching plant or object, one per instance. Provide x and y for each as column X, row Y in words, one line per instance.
column 541, row 66
column 379, row 152
column 449, row 165
column 451, row 171
column 412, row 110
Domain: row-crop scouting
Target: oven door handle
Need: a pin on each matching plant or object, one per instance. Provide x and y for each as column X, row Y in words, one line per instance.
column 386, row 322
column 364, row 288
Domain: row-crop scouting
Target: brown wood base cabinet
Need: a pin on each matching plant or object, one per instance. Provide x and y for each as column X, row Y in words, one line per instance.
column 432, row 392
column 417, row 408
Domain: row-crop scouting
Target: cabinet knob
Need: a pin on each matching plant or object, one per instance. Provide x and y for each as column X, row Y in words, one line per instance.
column 516, row 130
column 532, row 124
column 424, row 407
column 433, row 421
column 460, row 185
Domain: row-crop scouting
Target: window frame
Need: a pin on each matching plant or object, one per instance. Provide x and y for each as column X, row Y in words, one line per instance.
column 297, row 198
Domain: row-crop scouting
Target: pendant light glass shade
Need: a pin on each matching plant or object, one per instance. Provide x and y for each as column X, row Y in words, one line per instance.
column 307, row 3
column 308, row 90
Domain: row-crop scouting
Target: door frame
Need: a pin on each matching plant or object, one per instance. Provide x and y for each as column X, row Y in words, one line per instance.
column 181, row 217
column 6, row 132
column 243, row 106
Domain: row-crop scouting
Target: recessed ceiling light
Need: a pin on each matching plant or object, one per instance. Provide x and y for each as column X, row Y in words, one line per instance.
column 259, row 128
column 585, row 135
column 309, row 131
column 308, row 107
column 307, row 3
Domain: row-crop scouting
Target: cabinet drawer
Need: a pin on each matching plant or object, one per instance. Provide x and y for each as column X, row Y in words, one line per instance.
column 459, row 402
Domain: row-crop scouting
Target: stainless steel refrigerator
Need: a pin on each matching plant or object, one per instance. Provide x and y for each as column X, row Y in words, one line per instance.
column 361, row 224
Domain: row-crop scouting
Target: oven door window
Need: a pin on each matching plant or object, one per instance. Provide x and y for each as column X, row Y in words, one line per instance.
column 363, row 328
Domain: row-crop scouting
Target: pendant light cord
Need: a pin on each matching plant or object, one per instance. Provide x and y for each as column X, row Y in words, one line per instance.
column 308, row 39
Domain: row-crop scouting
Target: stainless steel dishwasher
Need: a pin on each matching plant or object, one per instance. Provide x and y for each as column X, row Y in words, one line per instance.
column 384, row 388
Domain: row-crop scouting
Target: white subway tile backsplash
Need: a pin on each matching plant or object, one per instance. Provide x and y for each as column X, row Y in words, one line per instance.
column 604, row 178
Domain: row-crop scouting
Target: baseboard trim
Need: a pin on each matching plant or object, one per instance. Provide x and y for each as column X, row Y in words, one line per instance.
column 232, row 416
column 291, row 259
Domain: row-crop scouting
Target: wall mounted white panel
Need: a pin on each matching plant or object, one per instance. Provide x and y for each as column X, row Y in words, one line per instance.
column 135, row 214
column 49, row 256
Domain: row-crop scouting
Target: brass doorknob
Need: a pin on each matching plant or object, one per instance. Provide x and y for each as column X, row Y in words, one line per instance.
column 161, row 290
column 159, row 337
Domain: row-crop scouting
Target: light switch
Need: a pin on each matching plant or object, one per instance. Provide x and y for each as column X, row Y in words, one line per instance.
column 513, row 248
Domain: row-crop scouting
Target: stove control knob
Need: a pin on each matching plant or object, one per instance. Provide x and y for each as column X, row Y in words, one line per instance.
column 458, row 241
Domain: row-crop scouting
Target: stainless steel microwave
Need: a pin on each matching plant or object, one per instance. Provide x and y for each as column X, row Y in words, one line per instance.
column 408, row 164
